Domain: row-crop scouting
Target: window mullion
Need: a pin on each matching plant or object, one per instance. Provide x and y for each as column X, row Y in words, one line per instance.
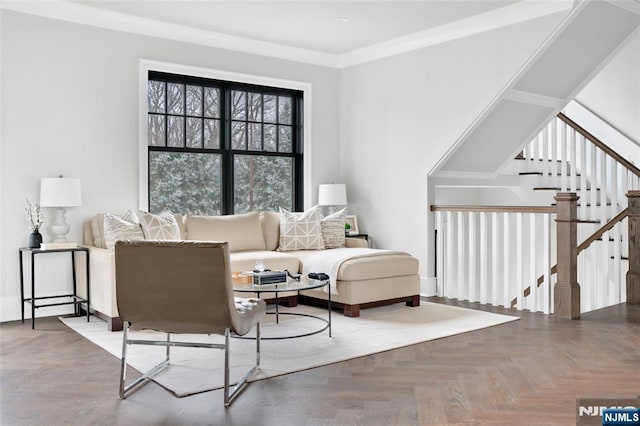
column 227, row 159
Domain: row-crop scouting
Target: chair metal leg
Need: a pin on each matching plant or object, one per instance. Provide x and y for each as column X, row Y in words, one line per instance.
column 229, row 396
column 258, row 344
column 144, row 379
column 123, row 360
column 227, row 400
column 168, row 345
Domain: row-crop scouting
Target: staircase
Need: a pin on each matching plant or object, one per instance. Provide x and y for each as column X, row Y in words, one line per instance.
column 564, row 157
column 503, row 255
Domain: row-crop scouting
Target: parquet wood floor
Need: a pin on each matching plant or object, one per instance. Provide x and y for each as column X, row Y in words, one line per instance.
column 525, row 372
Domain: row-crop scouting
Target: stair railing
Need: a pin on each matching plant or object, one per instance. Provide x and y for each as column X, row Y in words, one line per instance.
column 591, row 274
column 488, row 254
column 569, row 158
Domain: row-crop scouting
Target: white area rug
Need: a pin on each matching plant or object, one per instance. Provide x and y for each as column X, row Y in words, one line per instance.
column 195, row 370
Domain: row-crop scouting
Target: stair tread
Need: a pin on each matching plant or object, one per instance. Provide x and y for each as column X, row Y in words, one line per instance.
column 588, row 204
column 555, row 188
column 542, row 174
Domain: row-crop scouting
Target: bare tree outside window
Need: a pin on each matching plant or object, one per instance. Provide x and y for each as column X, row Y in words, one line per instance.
column 205, row 159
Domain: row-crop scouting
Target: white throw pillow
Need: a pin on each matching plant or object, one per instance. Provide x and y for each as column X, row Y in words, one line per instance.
column 116, row 228
column 300, row 231
column 161, row 226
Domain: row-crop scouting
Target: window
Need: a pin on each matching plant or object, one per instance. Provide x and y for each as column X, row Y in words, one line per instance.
column 218, row 147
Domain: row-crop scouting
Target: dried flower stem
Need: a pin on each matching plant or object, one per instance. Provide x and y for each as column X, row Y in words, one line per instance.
column 34, row 212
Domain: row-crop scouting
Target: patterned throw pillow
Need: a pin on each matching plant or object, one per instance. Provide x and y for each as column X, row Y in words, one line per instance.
column 161, row 226
column 116, row 228
column 300, row 231
column 333, row 229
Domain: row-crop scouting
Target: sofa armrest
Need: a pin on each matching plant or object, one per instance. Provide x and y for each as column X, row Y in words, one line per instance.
column 102, row 281
column 355, row 242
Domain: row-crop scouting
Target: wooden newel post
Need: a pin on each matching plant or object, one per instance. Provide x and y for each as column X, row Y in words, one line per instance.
column 633, row 275
column 566, row 292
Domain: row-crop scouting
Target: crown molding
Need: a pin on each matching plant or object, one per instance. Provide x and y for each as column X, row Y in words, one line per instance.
column 92, row 16
column 513, row 14
column 87, row 15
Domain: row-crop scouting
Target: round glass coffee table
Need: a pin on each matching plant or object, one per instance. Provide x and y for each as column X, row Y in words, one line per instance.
column 290, row 285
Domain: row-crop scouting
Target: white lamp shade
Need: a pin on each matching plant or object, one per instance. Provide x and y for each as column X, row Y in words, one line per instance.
column 334, row 194
column 60, row 192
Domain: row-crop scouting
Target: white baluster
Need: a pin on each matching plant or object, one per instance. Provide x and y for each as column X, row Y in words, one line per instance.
column 440, row 275
column 533, row 296
column 506, row 262
column 593, row 182
column 484, row 251
column 519, row 290
column 495, row 252
column 617, row 260
column 545, row 158
column 450, row 284
column 605, row 262
column 546, row 263
column 573, row 161
column 594, row 283
column 472, row 252
column 553, row 151
column 614, row 188
column 563, row 156
column 583, row 177
column 604, row 209
column 462, row 266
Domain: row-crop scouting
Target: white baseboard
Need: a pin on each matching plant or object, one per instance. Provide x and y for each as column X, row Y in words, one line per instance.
column 427, row 286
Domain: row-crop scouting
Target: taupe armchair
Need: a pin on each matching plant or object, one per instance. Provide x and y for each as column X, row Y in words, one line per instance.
column 181, row 287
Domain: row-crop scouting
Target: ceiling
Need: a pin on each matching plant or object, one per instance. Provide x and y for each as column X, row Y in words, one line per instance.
column 299, row 30
column 309, row 25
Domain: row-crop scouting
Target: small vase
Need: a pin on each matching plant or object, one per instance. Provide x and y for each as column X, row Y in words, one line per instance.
column 35, row 239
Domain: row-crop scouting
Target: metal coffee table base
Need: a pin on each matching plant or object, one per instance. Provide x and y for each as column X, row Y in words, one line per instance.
column 315, row 284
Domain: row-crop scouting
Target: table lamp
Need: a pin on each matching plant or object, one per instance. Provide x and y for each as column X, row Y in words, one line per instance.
column 332, row 194
column 60, row 193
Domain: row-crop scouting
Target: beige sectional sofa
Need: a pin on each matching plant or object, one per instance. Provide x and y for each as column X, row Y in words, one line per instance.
column 361, row 282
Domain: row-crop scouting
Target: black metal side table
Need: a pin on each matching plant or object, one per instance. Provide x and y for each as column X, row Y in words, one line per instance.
column 73, row 298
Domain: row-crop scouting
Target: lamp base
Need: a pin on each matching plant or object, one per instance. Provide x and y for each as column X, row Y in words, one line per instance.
column 60, row 227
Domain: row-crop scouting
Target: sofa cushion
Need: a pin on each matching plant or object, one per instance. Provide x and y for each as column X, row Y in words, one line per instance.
column 270, row 229
column 300, row 231
column 97, row 229
column 180, row 219
column 367, row 268
column 161, row 226
column 276, row 261
column 333, row 229
column 242, row 231
column 374, row 267
column 116, row 228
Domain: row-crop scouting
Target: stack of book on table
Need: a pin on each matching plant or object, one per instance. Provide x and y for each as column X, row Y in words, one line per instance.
column 57, row 246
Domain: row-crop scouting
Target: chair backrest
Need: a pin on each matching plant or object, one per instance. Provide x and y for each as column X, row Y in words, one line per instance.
column 175, row 286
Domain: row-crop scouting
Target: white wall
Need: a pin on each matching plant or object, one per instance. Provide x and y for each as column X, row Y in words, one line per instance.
column 400, row 115
column 614, row 94
column 70, row 105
